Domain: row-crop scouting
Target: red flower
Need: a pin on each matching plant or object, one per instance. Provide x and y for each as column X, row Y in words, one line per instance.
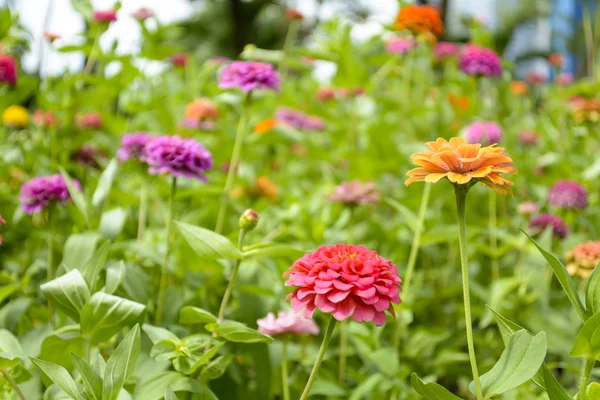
column 179, row 60
column 291, row 14
column 346, row 281
column 8, row 69
column 105, row 15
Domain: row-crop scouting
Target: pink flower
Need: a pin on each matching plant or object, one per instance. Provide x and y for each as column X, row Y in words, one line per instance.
column 89, row 121
column 2, row 221
column 484, row 132
column 400, row 45
column 564, row 78
column 105, row 15
column 45, row 119
column 287, row 322
column 355, row 193
column 179, row 60
column 529, row 138
column 346, row 281
column 544, row 221
column 248, row 76
column 8, row 69
column 528, row 208
column 143, row 14
column 444, row 50
column 480, row 61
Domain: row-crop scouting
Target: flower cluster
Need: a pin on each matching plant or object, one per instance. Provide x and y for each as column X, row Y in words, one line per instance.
column 40, row 192
column 346, row 281
column 8, row 69
column 177, row 156
column 484, row 132
column 585, row 110
column 298, row 120
column 582, row 259
column 544, row 221
column 420, row 20
column 287, row 322
column 480, row 61
column 356, row 193
column 568, row 194
column 248, row 76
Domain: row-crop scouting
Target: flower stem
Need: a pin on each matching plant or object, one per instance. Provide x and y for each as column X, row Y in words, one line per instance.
column 343, row 351
column 89, row 65
column 461, row 198
column 324, row 344
column 284, row 372
column 165, row 266
column 233, row 163
column 50, row 269
column 585, row 378
column 12, row 383
column 493, row 236
column 142, row 215
column 290, row 38
column 234, row 273
column 589, row 42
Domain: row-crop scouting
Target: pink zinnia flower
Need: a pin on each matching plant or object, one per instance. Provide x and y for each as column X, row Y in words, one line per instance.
column 40, row 192
column 133, row 146
column 91, row 120
column 480, row 61
column 346, row 281
column 43, row 118
column 8, row 69
column 528, row 208
column 544, row 221
column 444, row 50
column 484, row 132
column 287, row 322
column 179, row 60
column 143, row 14
column 400, row 45
column 178, row 157
column 105, row 15
column 529, row 138
column 564, row 78
column 248, row 76
column 568, row 194
column 535, row 78
column 355, row 193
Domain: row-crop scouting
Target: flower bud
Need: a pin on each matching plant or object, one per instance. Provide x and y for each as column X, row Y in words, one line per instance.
column 248, row 220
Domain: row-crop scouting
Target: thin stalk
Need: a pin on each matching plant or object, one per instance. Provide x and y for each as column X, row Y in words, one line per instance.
column 290, row 38
column 284, row 372
column 233, row 163
column 585, row 378
column 343, row 351
column 315, row 370
column 89, row 65
column 383, row 73
column 86, row 350
column 142, row 214
column 461, row 198
column 234, row 273
column 493, row 235
column 589, row 42
column 12, row 383
column 165, row 266
column 51, row 233
column 47, row 19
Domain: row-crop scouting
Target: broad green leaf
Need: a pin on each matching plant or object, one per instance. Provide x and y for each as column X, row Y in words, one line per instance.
column 105, row 183
column 431, row 390
column 329, row 389
column 210, row 353
column 519, row 362
column 8, row 361
column 276, row 250
column 60, row 377
column 587, row 343
column 563, row 277
column 208, row 244
column 553, row 388
column 153, row 387
column 121, row 364
column 593, row 391
column 105, row 314
column 194, row 315
column 92, row 383
column 69, row 293
column 166, row 349
column 169, row 394
column 91, row 269
column 7, row 290
column 99, row 366
column 79, row 249
column 592, row 293
column 157, row 334
column 237, row 332
column 114, row 277
column 216, row 367
column 386, row 364
column 76, row 194
column 112, row 222
column 11, row 352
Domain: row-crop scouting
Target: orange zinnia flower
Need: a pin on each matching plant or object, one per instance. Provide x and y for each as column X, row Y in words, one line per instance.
column 265, row 126
column 519, row 88
column 459, row 102
column 463, row 163
column 420, row 19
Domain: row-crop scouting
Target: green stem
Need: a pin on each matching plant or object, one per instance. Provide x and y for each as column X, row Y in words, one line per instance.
column 51, row 232
column 290, row 38
column 12, row 383
column 233, row 163
column 383, row 73
column 53, row 149
column 589, row 42
column 493, row 236
column 284, row 372
column 234, row 273
column 343, row 351
column 86, row 350
column 165, row 266
column 461, row 198
column 324, row 344
column 89, row 65
column 585, row 378
column 142, row 215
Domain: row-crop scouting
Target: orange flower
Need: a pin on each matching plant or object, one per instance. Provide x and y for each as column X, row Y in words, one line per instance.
column 519, row 88
column 264, row 187
column 459, row 102
column 201, row 110
column 586, row 110
column 556, row 59
column 420, row 20
column 265, row 126
column 462, row 163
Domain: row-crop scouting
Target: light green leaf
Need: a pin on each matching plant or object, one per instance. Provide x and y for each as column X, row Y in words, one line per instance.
column 169, row 394
column 406, row 214
column 386, row 364
column 76, row 194
column 431, row 390
column 216, row 367
column 121, row 364
column 237, row 332
column 587, row 343
column 210, row 353
column 153, row 387
column 208, row 244
column 91, row 269
column 194, row 315
column 112, row 222
column 105, row 183
column 592, row 293
column 157, row 334
column 99, row 366
column 114, row 277
column 60, row 377
column 565, row 280
column 7, row 290
column 11, row 352
column 105, row 314
column 593, row 391
column 69, row 293
column 79, row 249
column 92, row 383
column 519, row 362
column 553, row 388
column 276, row 250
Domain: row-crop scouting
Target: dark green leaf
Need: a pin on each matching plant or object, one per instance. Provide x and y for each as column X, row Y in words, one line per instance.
column 194, row 315
column 431, row 390
column 121, row 364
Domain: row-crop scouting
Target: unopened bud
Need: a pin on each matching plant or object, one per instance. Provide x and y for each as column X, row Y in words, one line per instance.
column 248, row 220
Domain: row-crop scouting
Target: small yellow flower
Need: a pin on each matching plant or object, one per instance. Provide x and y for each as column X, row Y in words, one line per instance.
column 15, row 117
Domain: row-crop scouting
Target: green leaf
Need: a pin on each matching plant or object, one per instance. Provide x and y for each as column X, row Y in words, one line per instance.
column 121, row 364
column 386, row 364
column 157, row 334
column 69, row 293
column 92, row 383
column 105, row 314
column 366, row 387
column 519, row 362
column 408, row 216
column 166, row 349
column 93, row 266
column 431, row 390
column 237, row 332
column 587, row 343
column 593, row 391
column 564, row 278
column 11, row 352
column 60, row 377
column 7, row 290
column 79, row 249
column 194, row 315
column 99, row 366
column 112, row 222
column 76, row 194
column 592, row 293
column 208, row 244
column 169, row 394
column 105, row 183
column 553, row 388
column 114, row 277
column 276, row 250
column 216, row 367
column 210, row 353
column 153, row 387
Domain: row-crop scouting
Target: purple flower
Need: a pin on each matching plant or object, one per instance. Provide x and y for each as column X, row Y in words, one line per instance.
column 568, row 194
column 39, row 192
column 445, row 50
column 247, row 76
column 544, row 221
column 400, row 45
column 298, row 120
column 484, row 132
column 177, row 156
column 133, row 146
column 480, row 61
column 88, row 155
column 314, row 123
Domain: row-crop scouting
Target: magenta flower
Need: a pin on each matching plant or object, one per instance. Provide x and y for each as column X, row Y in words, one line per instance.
column 40, row 192
column 177, row 156
column 287, row 322
column 480, row 61
column 568, row 194
column 544, row 221
column 133, row 146
column 8, row 69
column 298, row 120
column 105, row 15
column 179, row 60
column 346, row 281
column 444, row 50
column 400, row 45
column 484, row 132
column 355, row 193
column 248, row 76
